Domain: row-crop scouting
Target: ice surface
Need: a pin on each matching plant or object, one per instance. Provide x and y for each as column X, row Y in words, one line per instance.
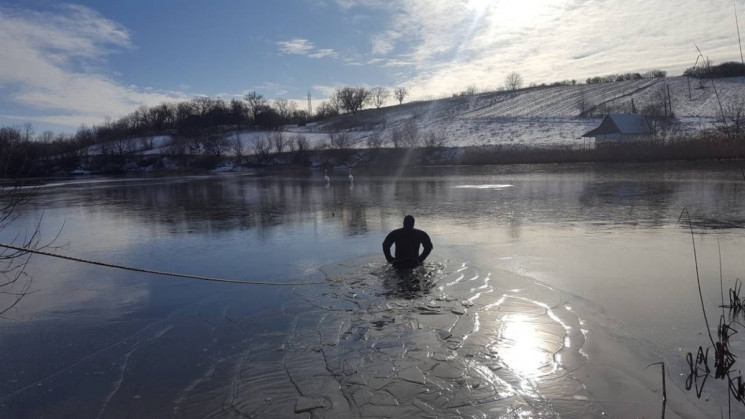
column 381, row 344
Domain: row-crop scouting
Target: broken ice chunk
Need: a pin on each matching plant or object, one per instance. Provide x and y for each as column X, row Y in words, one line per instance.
column 306, row 404
column 413, row 375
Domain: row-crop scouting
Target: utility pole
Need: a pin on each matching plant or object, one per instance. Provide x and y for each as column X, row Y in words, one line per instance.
column 734, row 6
column 310, row 106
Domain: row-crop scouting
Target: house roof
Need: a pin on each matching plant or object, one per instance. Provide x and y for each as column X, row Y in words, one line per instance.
column 625, row 124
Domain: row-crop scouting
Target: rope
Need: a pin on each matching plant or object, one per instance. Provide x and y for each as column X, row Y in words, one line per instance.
column 149, row 271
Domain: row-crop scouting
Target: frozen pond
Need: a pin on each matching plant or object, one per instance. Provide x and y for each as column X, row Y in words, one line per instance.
column 549, row 292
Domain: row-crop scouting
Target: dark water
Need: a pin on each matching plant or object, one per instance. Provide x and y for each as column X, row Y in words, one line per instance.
column 550, row 290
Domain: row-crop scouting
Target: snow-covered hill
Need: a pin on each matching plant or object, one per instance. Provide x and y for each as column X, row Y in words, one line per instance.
column 550, row 116
column 538, row 117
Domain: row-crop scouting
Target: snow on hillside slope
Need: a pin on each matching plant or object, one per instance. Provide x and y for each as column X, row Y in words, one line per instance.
column 536, row 117
column 549, row 116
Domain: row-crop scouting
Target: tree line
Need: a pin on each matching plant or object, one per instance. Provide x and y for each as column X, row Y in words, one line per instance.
column 199, row 115
column 708, row 71
column 611, row 78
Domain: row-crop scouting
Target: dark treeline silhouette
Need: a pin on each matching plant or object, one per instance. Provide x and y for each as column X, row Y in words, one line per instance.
column 21, row 152
column 194, row 116
column 610, row 78
column 707, row 71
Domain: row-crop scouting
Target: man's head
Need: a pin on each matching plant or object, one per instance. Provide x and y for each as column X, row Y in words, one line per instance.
column 409, row 222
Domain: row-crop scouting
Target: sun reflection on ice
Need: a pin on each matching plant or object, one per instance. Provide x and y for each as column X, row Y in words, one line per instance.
column 522, row 348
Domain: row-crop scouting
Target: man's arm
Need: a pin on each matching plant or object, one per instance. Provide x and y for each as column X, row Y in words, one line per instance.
column 427, row 244
column 387, row 243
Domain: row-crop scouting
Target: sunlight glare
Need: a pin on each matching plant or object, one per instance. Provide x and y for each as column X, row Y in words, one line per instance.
column 478, row 6
column 518, row 13
column 520, row 346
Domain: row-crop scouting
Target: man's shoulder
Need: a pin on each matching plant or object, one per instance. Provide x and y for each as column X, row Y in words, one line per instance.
column 393, row 234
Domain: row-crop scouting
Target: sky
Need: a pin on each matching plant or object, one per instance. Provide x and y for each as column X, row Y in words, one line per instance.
column 67, row 64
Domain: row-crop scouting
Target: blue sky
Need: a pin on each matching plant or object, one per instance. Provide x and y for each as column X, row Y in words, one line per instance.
column 67, row 64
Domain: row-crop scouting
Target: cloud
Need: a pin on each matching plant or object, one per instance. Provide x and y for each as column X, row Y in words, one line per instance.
column 325, row 52
column 398, row 63
column 384, row 43
column 296, row 46
column 300, row 46
column 52, row 63
column 443, row 46
column 371, row 4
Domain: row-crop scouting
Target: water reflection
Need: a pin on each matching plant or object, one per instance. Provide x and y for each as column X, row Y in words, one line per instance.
column 468, row 341
column 520, row 347
column 599, row 196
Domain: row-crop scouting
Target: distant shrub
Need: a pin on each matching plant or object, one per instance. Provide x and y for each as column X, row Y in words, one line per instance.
column 342, row 140
column 374, row 141
column 728, row 69
column 731, row 120
column 301, row 143
column 410, row 134
column 434, row 140
column 610, row 78
column 653, row 74
column 262, row 148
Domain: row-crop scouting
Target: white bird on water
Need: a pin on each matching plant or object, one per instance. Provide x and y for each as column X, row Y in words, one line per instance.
column 326, row 176
column 350, row 177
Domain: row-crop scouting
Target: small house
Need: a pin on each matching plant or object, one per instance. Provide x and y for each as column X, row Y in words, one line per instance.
column 621, row 128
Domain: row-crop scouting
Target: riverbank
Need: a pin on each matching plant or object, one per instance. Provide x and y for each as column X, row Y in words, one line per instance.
column 687, row 149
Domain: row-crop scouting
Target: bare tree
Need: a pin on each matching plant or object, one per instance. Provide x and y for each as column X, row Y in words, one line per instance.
column 45, row 137
column 379, row 95
column 301, row 143
column 326, row 109
column 410, row 134
column 255, row 104
column 335, row 103
column 396, row 136
column 279, row 141
column 28, row 131
column 374, row 140
column 731, row 120
column 434, row 140
column 147, row 143
column 342, row 140
column 121, row 146
column 236, row 145
column 352, row 99
column 283, row 108
column 15, row 283
column 513, row 81
column 215, row 145
column 400, row 94
column 262, row 148
column 238, row 112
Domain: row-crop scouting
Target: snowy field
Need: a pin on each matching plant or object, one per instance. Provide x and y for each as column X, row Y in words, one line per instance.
column 537, row 117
